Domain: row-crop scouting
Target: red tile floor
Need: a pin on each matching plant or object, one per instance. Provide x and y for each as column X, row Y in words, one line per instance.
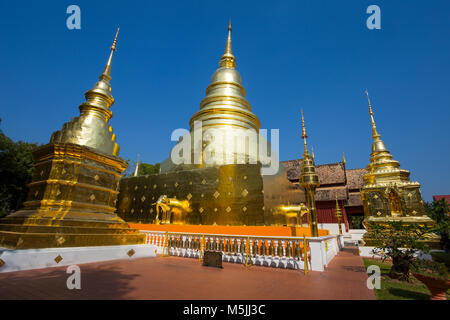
column 184, row 278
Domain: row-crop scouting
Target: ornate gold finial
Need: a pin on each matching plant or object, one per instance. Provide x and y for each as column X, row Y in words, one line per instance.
column 375, row 134
column 304, row 136
column 312, row 153
column 343, row 157
column 228, row 60
column 107, row 70
column 113, row 47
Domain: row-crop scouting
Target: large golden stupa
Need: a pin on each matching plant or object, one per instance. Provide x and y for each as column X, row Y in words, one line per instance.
column 73, row 193
column 223, row 185
column 225, row 121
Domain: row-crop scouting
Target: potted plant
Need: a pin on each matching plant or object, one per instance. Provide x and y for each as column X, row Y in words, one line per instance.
column 434, row 275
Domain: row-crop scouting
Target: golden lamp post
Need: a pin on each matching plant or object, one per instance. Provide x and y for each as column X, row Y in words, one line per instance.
column 309, row 181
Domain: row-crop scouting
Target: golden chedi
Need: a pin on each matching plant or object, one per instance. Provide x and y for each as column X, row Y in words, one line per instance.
column 387, row 193
column 223, row 186
column 226, row 119
column 226, row 110
column 72, row 196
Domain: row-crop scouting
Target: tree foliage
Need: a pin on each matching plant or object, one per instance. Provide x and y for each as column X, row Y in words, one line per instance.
column 401, row 243
column 439, row 212
column 16, row 170
column 146, row 168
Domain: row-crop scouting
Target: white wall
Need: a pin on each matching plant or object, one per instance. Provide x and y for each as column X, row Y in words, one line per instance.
column 26, row 259
column 332, row 227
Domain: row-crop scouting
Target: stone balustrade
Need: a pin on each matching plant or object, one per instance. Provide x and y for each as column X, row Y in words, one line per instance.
column 276, row 252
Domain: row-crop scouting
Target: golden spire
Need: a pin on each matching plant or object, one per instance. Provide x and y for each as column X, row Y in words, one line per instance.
column 91, row 128
column 382, row 169
column 312, row 153
column 107, row 70
column 100, row 95
column 343, row 157
column 375, row 134
column 378, row 144
column 304, row 136
column 228, row 60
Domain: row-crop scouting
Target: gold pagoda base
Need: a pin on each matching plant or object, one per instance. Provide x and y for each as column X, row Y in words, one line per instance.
column 71, row 202
column 33, row 234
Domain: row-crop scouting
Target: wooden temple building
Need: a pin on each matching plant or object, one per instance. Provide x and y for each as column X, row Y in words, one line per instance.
column 335, row 179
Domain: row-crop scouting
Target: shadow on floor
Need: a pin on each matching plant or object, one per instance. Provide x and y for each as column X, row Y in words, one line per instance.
column 355, row 268
column 353, row 250
column 106, row 282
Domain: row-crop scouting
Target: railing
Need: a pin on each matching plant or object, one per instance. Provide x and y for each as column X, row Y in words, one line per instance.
column 277, row 252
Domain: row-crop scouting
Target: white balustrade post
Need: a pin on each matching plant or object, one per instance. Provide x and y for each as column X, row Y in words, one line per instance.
column 317, row 251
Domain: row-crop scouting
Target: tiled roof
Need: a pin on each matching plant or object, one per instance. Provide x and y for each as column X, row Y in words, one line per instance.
column 332, row 173
column 439, row 197
column 333, row 179
column 354, row 199
column 355, row 178
column 293, row 168
column 329, row 194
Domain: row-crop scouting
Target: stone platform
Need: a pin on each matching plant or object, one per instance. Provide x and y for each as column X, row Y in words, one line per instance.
column 26, row 259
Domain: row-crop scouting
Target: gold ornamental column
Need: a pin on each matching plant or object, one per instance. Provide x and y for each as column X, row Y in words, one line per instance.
column 338, row 215
column 309, row 181
column 73, row 193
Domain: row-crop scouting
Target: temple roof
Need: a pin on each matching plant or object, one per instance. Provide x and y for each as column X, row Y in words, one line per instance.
column 331, row 173
column 334, row 179
column 355, row 178
column 329, row 194
column 354, row 199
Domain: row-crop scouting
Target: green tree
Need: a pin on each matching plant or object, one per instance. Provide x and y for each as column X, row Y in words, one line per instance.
column 401, row 243
column 146, row 168
column 439, row 212
column 356, row 222
column 16, row 170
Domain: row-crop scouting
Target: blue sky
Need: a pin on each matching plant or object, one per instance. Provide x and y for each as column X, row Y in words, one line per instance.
column 315, row 55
